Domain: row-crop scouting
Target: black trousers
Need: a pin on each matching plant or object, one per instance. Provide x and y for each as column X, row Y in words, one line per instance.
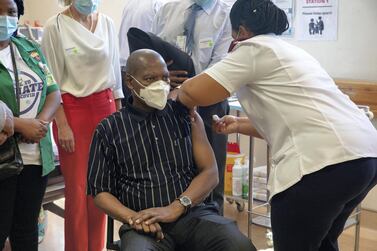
column 311, row 215
column 218, row 143
column 21, row 198
column 202, row 229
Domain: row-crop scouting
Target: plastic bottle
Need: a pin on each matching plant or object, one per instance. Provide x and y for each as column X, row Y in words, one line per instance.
column 237, row 178
column 245, row 180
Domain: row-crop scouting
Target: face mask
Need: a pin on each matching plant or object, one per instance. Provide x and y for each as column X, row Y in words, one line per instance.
column 86, row 7
column 8, row 25
column 203, row 3
column 234, row 42
column 154, row 95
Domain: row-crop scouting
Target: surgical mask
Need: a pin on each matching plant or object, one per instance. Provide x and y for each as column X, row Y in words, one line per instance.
column 154, row 95
column 8, row 25
column 203, row 3
column 86, row 7
column 234, row 42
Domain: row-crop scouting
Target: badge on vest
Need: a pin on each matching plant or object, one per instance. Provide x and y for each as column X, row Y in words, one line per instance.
column 36, row 56
column 49, row 78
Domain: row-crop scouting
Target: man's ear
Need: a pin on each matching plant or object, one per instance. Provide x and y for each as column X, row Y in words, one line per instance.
column 128, row 80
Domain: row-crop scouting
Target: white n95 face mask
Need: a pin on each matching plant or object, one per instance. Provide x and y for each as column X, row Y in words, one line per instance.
column 154, row 95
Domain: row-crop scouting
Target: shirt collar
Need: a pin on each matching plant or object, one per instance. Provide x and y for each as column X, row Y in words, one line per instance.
column 140, row 115
column 207, row 9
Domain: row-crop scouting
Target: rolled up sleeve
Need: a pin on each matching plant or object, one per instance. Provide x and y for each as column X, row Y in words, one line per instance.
column 234, row 71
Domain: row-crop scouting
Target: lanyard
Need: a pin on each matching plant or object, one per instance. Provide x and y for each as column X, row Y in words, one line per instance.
column 16, row 77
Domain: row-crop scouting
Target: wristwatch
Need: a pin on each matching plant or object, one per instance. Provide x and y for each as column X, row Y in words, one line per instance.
column 185, row 201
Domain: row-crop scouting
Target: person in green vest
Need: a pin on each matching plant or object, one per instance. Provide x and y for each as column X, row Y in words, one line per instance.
column 33, row 106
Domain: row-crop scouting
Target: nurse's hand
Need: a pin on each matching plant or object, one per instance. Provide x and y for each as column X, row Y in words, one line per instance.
column 225, row 125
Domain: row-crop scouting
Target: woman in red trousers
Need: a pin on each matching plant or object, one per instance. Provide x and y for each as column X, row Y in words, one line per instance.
column 80, row 47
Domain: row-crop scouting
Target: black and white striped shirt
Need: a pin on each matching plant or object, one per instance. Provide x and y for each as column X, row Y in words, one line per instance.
column 143, row 159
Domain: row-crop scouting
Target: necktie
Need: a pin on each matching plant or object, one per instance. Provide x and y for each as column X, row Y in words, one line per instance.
column 189, row 27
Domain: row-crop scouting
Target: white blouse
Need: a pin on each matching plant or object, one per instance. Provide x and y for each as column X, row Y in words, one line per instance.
column 296, row 106
column 83, row 62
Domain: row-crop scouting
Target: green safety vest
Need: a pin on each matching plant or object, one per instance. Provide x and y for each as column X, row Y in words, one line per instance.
column 33, row 57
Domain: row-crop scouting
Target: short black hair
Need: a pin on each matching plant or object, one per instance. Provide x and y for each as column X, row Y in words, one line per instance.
column 20, row 7
column 259, row 17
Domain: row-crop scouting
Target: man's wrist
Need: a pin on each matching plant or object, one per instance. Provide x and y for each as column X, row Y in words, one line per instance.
column 127, row 218
column 178, row 207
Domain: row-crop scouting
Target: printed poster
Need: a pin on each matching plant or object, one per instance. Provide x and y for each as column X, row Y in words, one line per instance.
column 287, row 6
column 317, row 20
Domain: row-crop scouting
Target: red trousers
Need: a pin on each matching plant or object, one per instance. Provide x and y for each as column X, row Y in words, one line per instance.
column 84, row 223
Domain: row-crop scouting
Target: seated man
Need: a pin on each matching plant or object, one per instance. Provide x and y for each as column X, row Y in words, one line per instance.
column 151, row 167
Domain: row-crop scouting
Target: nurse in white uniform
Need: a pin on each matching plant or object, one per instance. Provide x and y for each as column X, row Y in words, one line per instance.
column 324, row 149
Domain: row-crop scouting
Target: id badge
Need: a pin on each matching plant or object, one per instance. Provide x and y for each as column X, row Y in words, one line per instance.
column 181, row 42
column 206, row 43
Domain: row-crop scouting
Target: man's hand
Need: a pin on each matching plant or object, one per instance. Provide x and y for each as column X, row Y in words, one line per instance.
column 33, row 130
column 226, row 125
column 176, row 77
column 153, row 230
column 166, row 214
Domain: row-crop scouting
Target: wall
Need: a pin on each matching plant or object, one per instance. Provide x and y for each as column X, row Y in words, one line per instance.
column 354, row 54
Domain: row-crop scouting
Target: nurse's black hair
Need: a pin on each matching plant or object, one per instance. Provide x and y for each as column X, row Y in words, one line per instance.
column 20, row 7
column 259, row 17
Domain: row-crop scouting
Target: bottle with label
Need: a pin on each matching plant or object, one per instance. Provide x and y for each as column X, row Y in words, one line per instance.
column 237, row 178
column 230, row 160
column 245, row 180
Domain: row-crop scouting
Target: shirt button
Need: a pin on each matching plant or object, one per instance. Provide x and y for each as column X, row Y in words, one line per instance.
column 156, row 138
column 153, row 126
